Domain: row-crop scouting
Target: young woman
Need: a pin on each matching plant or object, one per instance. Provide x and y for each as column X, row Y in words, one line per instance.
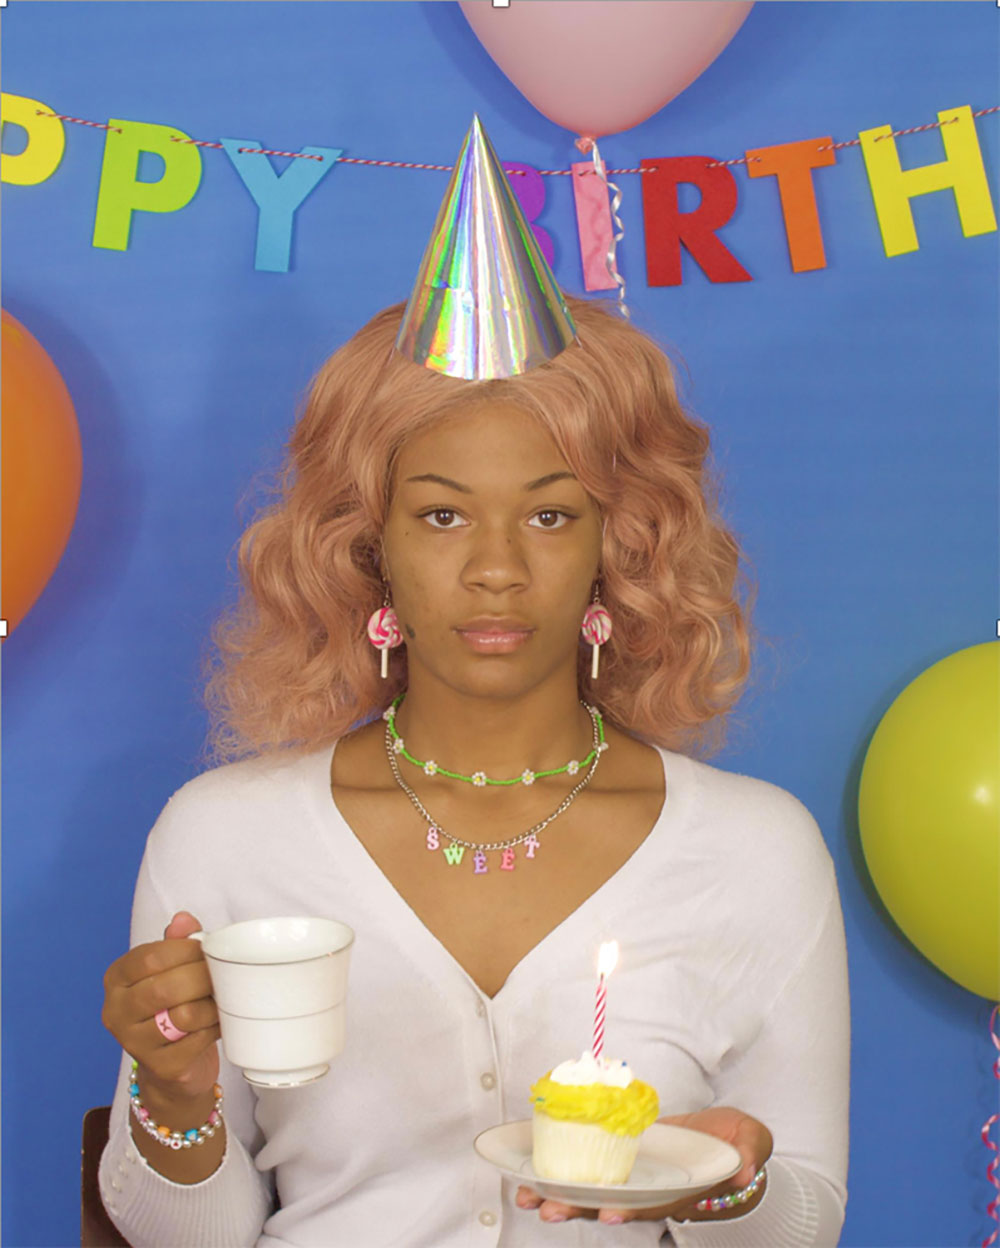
column 491, row 517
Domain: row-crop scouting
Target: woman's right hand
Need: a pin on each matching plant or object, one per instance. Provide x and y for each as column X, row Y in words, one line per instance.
column 166, row 974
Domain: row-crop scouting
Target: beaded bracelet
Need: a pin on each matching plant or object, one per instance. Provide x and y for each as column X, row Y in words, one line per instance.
column 733, row 1198
column 163, row 1135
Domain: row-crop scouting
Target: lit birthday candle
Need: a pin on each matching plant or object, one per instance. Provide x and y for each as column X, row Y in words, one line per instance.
column 607, row 960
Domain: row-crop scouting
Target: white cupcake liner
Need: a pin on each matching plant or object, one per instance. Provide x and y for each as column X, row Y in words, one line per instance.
column 578, row 1152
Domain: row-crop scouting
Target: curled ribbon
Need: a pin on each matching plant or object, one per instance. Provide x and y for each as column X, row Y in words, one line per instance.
column 993, row 1208
column 587, row 143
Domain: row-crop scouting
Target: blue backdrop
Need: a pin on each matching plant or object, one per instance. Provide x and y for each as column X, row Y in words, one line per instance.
column 853, row 411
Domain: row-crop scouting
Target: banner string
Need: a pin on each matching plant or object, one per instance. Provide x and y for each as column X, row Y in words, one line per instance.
column 406, row 164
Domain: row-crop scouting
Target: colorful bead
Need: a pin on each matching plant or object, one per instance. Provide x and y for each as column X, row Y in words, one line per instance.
column 398, row 745
column 430, row 767
column 191, row 1135
column 573, row 767
column 527, row 777
column 479, row 779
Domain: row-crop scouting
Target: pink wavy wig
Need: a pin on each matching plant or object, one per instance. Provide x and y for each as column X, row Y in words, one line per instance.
column 290, row 667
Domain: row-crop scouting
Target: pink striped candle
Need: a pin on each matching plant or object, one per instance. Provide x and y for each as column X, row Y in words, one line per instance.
column 607, row 960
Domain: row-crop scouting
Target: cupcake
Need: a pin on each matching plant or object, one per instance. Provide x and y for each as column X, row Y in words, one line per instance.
column 588, row 1118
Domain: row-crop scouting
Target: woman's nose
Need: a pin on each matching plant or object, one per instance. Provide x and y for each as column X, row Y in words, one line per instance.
column 497, row 557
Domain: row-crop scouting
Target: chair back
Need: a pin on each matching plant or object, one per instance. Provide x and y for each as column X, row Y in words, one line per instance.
column 96, row 1228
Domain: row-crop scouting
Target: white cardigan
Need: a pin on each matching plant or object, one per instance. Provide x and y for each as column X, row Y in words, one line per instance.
column 731, row 989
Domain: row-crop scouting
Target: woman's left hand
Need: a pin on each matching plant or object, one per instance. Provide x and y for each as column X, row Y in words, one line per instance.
column 752, row 1140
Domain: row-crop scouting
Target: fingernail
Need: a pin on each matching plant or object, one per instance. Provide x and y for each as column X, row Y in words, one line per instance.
column 556, row 1217
column 613, row 1219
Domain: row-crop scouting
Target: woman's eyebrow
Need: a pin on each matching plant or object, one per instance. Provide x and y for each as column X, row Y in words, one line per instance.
column 465, row 489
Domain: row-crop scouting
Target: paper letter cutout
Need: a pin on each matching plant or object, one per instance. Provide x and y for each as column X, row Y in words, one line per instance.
column 121, row 193
column 791, row 164
column 530, row 192
column 667, row 227
column 894, row 187
column 278, row 195
column 594, row 225
column 46, row 141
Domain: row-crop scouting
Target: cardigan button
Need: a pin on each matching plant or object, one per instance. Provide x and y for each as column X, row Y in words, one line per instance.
column 488, row 1081
column 487, row 1218
column 480, row 1009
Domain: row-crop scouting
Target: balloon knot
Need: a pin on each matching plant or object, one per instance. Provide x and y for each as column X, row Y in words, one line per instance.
column 585, row 142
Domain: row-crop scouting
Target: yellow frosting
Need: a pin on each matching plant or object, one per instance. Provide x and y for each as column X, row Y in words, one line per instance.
column 622, row 1111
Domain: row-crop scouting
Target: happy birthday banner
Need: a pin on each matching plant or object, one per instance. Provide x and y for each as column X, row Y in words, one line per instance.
column 278, row 196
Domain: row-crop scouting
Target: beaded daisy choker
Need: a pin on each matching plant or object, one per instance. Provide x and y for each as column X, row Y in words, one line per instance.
column 480, row 778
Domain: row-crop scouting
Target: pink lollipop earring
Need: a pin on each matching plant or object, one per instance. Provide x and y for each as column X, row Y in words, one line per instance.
column 596, row 629
column 384, row 632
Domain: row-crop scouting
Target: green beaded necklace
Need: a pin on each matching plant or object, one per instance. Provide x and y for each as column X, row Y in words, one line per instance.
column 480, row 778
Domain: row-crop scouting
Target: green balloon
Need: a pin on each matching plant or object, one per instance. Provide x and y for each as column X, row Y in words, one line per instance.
column 928, row 812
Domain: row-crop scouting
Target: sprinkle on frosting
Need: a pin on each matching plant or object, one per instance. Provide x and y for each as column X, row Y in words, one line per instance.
column 590, row 1069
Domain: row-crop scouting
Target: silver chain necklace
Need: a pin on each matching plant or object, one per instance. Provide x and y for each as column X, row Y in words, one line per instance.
column 454, row 852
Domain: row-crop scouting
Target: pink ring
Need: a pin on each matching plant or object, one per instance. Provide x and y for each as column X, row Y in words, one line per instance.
column 168, row 1030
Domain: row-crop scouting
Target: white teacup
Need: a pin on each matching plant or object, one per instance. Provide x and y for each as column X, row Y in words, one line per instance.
column 280, row 987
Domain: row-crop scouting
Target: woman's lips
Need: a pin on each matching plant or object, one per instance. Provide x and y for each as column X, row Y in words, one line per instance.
column 494, row 643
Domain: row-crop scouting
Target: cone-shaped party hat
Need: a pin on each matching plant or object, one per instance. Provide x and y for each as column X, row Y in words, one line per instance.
column 485, row 303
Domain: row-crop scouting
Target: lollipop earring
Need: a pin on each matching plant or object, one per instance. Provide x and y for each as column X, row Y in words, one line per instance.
column 384, row 632
column 596, row 629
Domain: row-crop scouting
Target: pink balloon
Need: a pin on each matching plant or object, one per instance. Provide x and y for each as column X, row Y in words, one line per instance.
column 600, row 66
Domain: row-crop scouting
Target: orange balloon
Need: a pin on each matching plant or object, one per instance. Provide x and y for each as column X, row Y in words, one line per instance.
column 42, row 469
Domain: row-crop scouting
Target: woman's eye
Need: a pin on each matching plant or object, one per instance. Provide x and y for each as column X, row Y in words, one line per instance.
column 551, row 512
column 440, row 511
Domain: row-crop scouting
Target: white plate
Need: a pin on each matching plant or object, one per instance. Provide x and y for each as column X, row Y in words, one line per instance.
column 673, row 1162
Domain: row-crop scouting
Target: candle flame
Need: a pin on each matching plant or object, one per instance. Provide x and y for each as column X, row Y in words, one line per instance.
column 607, row 958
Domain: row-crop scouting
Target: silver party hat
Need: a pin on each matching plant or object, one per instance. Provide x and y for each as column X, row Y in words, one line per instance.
column 485, row 303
